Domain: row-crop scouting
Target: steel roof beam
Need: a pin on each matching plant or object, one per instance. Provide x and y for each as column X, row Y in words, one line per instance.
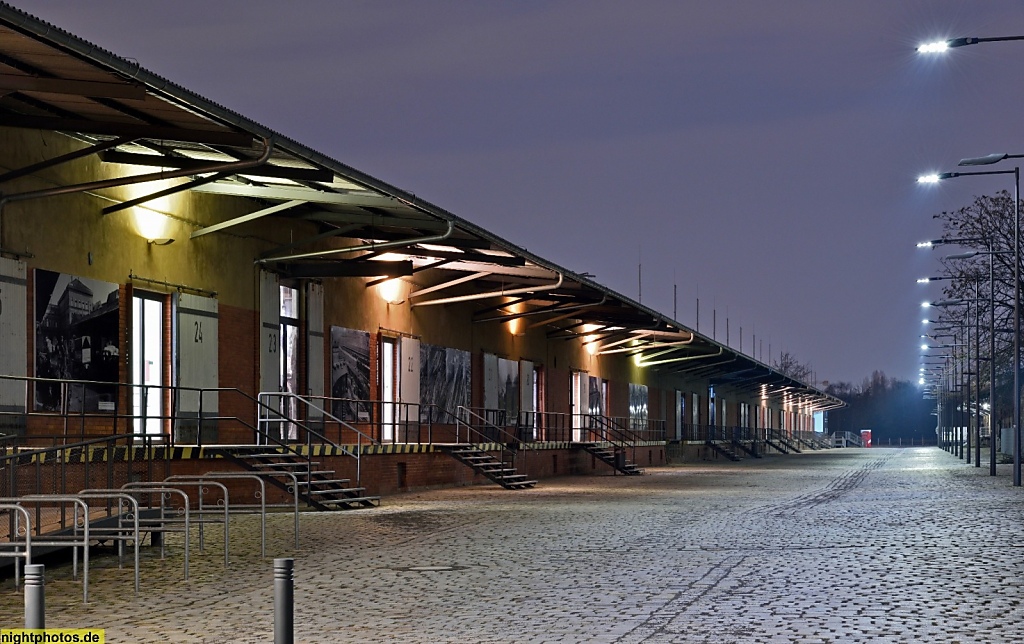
column 505, row 305
column 91, row 89
column 469, row 258
column 308, row 270
column 267, row 170
column 285, row 193
column 416, row 269
column 64, row 158
column 490, row 294
column 134, row 130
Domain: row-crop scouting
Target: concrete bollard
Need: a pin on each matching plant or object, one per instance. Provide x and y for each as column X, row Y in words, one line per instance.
column 284, row 601
column 35, row 596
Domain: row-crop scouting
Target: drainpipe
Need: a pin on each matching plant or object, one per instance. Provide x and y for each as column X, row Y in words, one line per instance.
column 685, row 359
column 234, row 168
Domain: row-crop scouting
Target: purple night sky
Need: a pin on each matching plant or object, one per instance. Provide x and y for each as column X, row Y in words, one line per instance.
column 760, row 155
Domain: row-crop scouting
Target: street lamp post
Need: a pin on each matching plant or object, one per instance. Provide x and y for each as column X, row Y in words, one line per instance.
column 988, row 160
column 977, row 354
column 962, row 444
column 992, row 416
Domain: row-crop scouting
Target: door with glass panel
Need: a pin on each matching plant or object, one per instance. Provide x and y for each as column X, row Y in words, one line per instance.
column 388, row 381
column 147, row 363
column 289, row 360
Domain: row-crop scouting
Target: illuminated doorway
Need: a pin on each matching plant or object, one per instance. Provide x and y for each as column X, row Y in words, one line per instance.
column 147, row 363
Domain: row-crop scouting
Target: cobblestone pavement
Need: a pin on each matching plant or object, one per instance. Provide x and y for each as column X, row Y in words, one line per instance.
column 855, row 545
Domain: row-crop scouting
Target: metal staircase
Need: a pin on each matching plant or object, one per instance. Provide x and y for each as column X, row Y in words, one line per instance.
column 614, row 440
column 321, row 489
column 283, row 457
column 780, row 443
column 725, row 449
column 615, row 456
column 747, row 447
column 496, row 469
column 483, row 438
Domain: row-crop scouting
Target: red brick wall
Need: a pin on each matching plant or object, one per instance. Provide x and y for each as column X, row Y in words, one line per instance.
column 556, row 390
column 380, row 473
column 238, row 355
column 618, row 398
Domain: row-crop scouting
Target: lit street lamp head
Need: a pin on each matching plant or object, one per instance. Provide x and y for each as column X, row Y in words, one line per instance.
column 940, row 46
column 936, row 47
column 935, row 178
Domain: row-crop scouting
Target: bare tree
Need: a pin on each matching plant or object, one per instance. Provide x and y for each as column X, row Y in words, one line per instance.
column 985, row 225
column 789, row 366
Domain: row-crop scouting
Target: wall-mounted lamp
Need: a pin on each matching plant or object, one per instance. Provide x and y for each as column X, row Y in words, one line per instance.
column 391, row 291
column 162, row 241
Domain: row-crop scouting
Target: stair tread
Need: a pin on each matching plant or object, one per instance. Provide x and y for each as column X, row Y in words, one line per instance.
column 337, row 490
column 348, row 500
column 323, row 482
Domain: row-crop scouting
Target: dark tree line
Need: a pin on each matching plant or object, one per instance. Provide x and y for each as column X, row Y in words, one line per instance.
column 894, row 410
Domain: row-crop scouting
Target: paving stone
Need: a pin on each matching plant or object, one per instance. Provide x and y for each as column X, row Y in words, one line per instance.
column 855, row 545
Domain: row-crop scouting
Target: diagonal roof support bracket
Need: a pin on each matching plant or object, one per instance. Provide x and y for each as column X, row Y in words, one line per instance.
column 448, row 284
column 64, row 158
column 252, row 216
column 501, row 293
column 181, row 187
column 372, row 246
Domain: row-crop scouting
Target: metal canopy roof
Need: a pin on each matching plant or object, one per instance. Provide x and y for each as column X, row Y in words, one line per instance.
column 52, row 80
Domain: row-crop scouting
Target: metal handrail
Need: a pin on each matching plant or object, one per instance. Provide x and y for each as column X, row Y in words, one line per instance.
column 312, row 432
column 160, row 524
column 116, row 534
column 172, row 481
column 63, row 540
column 505, row 446
column 58, row 460
column 294, row 490
column 13, row 541
column 406, row 415
column 239, row 508
column 610, row 432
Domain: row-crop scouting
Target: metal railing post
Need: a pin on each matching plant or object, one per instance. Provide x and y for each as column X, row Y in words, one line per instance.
column 284, row 601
